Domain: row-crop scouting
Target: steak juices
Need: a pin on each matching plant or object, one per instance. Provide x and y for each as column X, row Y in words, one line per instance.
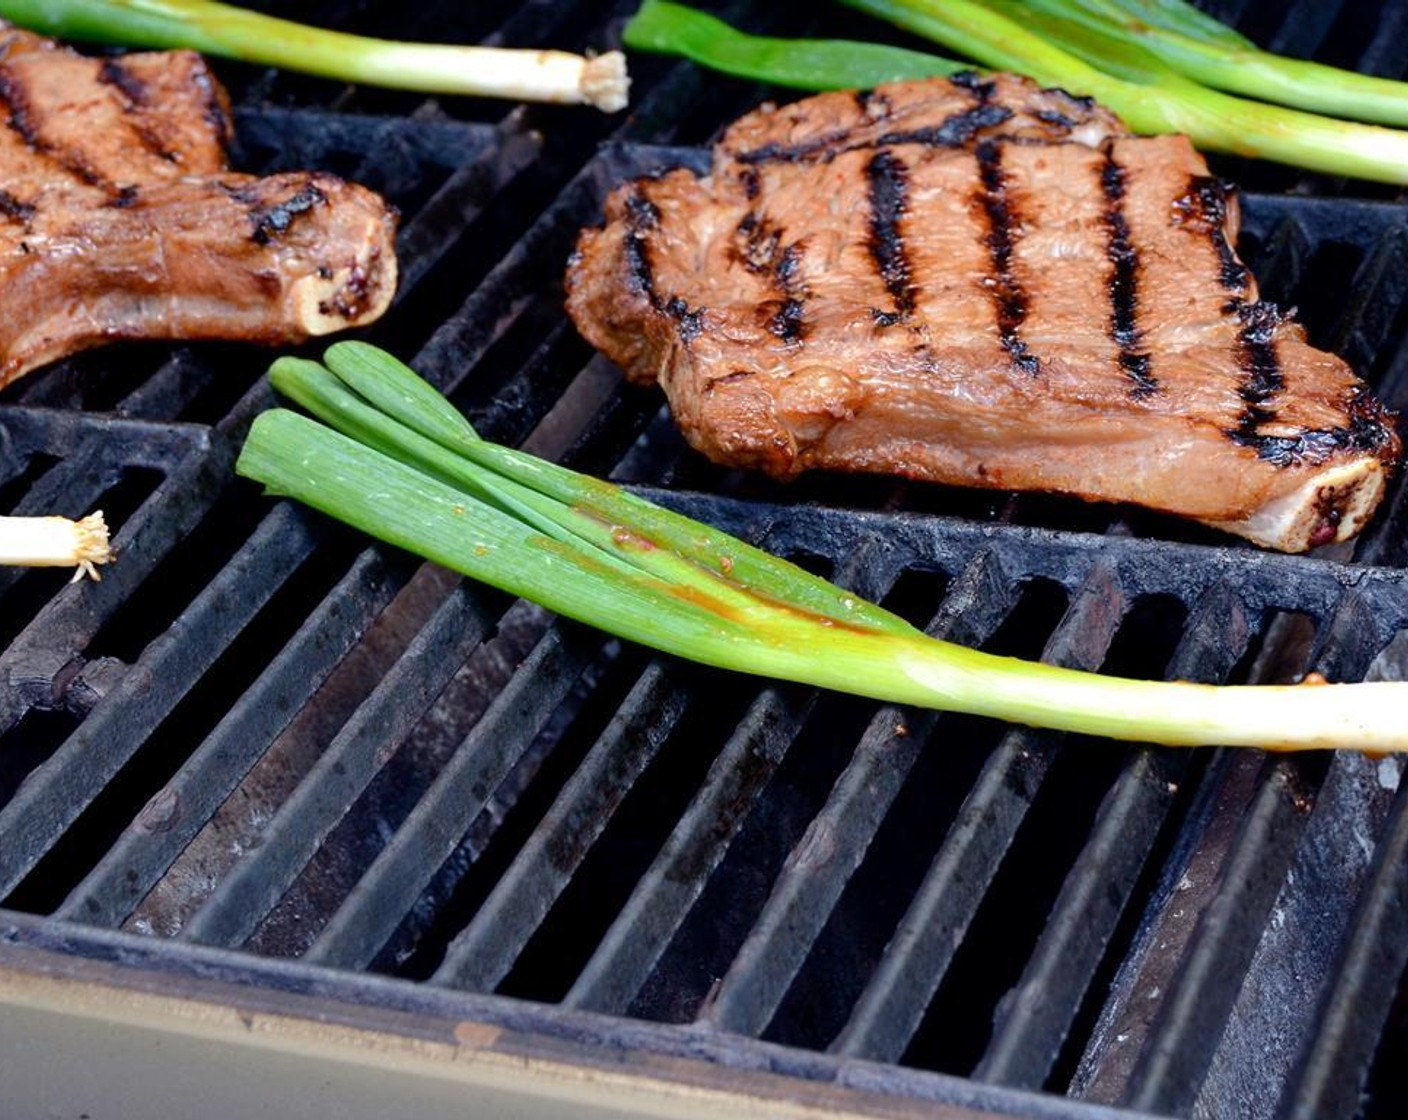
column 981, row 283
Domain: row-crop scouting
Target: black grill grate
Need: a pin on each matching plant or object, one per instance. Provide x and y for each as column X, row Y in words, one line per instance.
column 258, row 739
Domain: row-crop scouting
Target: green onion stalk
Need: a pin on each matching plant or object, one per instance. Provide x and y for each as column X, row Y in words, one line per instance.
column 810, row 64
column 383, row 452
column 1200, row 48
column 231, row 32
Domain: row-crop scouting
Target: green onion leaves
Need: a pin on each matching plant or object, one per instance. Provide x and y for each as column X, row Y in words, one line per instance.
column 390, row 456
column 812, row 64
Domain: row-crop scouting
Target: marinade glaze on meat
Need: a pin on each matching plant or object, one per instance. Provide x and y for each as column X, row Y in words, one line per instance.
column 981, row 283
column 120, row 219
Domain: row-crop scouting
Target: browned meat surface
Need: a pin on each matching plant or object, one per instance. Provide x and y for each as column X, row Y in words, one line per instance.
column 985, row 284
column 120, row 219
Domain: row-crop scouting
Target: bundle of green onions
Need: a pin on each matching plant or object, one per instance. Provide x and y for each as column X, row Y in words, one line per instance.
column 1162, row 65
column 390, row 456
column 230, row 32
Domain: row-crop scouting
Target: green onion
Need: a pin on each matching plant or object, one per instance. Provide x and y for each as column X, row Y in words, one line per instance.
column 56, row 542
column 220, row 29
column 1185, row 19
column 1232, row 63
column 385, row 455
column 811, row 64
column 1147, row 93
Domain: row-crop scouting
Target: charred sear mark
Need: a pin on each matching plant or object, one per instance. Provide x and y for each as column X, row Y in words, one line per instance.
column 124, row 197
column 1124, row 282
column 823, row 148
column 215, row 113
column 115, row 74
column 643, row 216
column 1259, row 362
column 1056, row 118
column 689, row 322
column 14, row 210
column 134, row 96
column 787, row 324
column 958, row 130
column 1314, row 445
column 1368, row 431
column 972, row 81
column 873, row 106
column 15, row 100
column 955, row 131
column 729, row 378
column 761, row 252
column 997, row 208
column 888, row 179
column 758, row 244
column 1203, row 208
column 271, row 221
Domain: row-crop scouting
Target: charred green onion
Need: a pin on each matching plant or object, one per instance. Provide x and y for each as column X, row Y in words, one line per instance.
column 231, row 32
column 388, row 456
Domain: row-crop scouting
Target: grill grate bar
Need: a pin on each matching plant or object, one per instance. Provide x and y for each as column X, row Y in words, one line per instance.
column 659, row 903
column 657, row 907
column 1195, row 1007
column 895, row 999
column 824, row 859
column 531, row 267
column 422, row 242
column 94, row 457
column 403, row 869
column 1035, row 1021
column 71, row 488
column 1377, row 295
column 170, row 390
column 1318, row 896
column 79, row 610
column 56, row 793
column 380, row 723
column 143, row 853
column 1355, row 1004
column 1384, row 54
column 1304, row 25
column 484, row 952
column 511, row 286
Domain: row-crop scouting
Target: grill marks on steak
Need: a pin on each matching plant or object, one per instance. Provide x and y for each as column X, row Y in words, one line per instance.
column 889, row 183
column 982, row 283
column 119, row 217
column 1124, row 282
column 1007, row 291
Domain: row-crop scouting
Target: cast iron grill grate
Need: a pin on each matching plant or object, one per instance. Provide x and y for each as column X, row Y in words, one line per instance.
column 260, row 748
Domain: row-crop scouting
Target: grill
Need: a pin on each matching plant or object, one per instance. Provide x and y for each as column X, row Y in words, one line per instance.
column 265, row 784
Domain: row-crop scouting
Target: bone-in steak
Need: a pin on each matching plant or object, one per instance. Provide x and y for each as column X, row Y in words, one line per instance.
column 981, row 283
column 120, row 219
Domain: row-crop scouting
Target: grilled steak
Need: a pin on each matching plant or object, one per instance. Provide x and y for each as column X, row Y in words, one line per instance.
column 120, row 219
column 981, row 283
